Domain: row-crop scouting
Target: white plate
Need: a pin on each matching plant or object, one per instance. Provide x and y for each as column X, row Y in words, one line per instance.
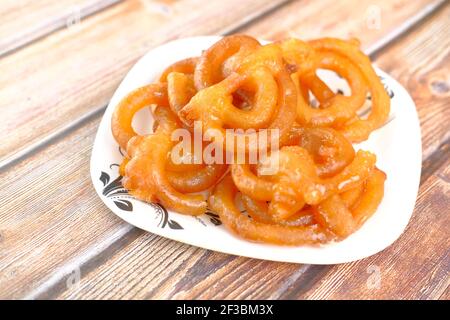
column 397, row 145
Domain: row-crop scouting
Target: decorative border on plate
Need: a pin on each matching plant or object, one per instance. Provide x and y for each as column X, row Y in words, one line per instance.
column 124, row 200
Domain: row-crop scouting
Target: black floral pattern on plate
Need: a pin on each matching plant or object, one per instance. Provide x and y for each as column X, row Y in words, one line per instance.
column 115, row 191
column 164, row 220
column 214, row 218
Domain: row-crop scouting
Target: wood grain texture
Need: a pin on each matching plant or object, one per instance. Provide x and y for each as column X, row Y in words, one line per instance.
column 373, row 22
column 156, row 268
column 417, row 266
column 422, row 64
column 417, row 64
column 50, row 215
column 83, row 53
column 446, row 294
column 207, row 275
column 39, row 229
column 24, row 21
column 52, row 225
column 76, row 70
column 420, row 61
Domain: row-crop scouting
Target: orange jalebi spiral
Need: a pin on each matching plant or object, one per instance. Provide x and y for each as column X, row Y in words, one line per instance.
column 209, row 69
column 334, row 109
column 122, row 118
column 145, row 174
column 310, row 188
column 185, row 66
column 222, row 201
column 296, row 181
column 359, row 130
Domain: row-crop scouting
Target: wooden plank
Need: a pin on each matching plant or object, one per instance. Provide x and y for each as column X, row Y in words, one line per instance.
column 446, row 294
column 416, row 59
column 79, row 232
column 91, row 72
column 24, row 21
column 203, row 274
column 173, row 270
column 417, row 266
column 422, row 66
column 50, row 213
column 374, row 23
column 45, row 231
column 85, row 64
column 421, row 63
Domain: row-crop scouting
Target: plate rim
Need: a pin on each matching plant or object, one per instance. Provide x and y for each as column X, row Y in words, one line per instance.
column 177, row 236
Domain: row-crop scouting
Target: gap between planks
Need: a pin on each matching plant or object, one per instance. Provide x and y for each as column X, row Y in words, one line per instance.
column 64, row 129
column 254, row 18
column 127, row 233
column 407, row 26
column 52, row 26
column 404, row 28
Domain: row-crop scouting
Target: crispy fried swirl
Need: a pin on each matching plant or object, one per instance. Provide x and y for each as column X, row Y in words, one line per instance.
column 311, row 189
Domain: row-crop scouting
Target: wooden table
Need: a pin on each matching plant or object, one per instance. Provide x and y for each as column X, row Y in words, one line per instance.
column 60, row 62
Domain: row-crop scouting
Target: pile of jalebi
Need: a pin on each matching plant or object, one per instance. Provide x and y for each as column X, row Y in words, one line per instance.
column 322, row 190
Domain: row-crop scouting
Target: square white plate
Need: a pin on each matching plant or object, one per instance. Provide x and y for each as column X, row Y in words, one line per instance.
column 397, row 146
